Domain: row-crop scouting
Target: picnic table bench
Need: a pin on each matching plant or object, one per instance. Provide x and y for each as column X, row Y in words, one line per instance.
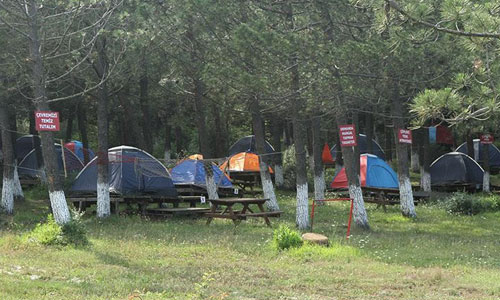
column 196, row 190
column 237, row 215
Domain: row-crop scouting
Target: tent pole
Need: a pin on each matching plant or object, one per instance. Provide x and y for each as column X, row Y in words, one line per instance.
column 64, row 160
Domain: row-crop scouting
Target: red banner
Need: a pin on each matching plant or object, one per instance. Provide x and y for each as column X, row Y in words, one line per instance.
column 487, row 139
column 348, row 136
column 404, row 136
column 47, row 121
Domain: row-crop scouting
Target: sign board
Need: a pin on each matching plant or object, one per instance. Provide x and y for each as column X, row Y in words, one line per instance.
column 347, row 135
column 404, row 136
column 47, row 121
column 487, row 139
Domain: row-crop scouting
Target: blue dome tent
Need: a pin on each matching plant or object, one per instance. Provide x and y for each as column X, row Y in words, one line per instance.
column 24, row 145
column 374, row 172
column 363, row 147
column 192, row 172
column 131, row 172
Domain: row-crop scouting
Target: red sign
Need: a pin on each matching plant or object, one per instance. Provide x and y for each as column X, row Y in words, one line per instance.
column 347, row 135
column 47, row 121
column 404, row 136
column 487, row 139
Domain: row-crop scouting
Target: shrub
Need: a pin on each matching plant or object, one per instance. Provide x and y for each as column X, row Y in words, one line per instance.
column 285, row 238
column 50, row 233
column 467, row 204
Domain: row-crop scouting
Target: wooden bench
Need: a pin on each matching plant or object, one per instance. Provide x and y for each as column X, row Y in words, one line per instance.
column 166, row 212
column 246, row 211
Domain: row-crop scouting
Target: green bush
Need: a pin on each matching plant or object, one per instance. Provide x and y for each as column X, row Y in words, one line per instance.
column 285, row 238
column 50, row 233
column 468, row 204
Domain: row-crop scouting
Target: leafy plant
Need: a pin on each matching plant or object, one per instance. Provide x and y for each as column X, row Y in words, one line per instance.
column 50, row 233
column 467, row 204
column 285, row 238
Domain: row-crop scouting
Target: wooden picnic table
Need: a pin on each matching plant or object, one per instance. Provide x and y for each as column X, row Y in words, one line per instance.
column 237, row 215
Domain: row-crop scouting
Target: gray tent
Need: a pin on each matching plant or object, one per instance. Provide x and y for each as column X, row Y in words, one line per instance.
column 455, row 168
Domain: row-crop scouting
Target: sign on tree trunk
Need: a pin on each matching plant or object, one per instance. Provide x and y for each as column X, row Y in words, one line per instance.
column 487, row 139
column 347, row 136
column 47, row 121
column 404, row 136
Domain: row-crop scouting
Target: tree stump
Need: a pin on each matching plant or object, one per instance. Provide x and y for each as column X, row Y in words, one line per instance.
column 315, row 238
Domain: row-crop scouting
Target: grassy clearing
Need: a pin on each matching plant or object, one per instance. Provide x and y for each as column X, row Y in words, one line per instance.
column 437, row 256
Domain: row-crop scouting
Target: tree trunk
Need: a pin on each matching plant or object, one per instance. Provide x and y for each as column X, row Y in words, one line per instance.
column 276, row 132
column 69, row 123
column 144, row 99
column 179, row 146
column 168, row 141
column 425, row 174
column 101, row 67
column 82, row 126
column 56, row 194
column 405, row 191
column 369, row 130
column 265, row 176
column 7, row 203
column 486, row 167
column 18, row 190
column 299, row 133
column 339, row 161
column 388, row 140
column 415, row 159
column 319, row 174
column 220, row 145
column 355, row 192
column 470, row 146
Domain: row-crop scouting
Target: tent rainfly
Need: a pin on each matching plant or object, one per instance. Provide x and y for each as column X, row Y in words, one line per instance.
column 374, row 172
column 242, row 162
column 455, row 168
column 478, row 153
column 247, row 144
column 192, row 172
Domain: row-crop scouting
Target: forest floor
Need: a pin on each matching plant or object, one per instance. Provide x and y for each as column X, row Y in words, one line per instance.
column 436, row 256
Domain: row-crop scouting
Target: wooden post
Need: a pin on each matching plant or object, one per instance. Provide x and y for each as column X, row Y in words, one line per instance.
column 63, row 159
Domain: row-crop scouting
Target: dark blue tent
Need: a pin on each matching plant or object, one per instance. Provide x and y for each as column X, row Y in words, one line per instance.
column 192, row 172
column 363, row 147
column 29, row 166
column 131, row 172
column 24, row 145
column 478, row 153
column 455, row 168
column 247, row 144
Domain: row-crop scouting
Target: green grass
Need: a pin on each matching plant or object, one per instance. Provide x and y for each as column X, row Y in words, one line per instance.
column 437, row 256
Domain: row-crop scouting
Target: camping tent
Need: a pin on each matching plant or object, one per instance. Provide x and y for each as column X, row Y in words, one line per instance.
column 455, row 168
column 24, row 145
column 242, row 162
column 193, row 172
column 29, row 166
column 131, row 171
column 374, row 172
column 247, row 144
column 478, row 153
column 77, row 148
column 363, row 147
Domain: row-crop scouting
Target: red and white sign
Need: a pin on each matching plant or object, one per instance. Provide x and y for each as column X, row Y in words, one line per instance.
column 47, row 121
column 347, row 135
column 487, row 139
column 404, row 136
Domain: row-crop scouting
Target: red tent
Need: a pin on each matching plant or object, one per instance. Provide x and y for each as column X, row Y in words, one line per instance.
column 326, row 156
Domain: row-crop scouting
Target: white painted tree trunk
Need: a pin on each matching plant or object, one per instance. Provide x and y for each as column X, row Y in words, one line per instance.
column 319, row 186
column 486, row 182
column 103, row 200
column 302, row 216
column 166, row 155
column 278, row 176
column 406, row 197
column 268, row 188
column 425, row 181
column 211, row 186
column 359, row 213
column 18, row 189
column 8, row 195
column 415, row 161
column 59, row 207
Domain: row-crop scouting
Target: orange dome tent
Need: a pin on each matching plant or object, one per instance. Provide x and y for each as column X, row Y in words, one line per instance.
column 242, row 162
column 196, row 157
